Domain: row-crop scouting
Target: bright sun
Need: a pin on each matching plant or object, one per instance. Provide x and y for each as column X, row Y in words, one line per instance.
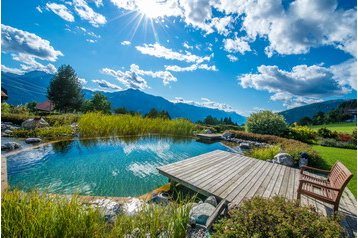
column 150, row 8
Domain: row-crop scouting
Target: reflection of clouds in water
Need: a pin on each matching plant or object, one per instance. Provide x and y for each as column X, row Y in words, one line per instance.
column 143, row 170
column 158, row 148
column 32, row 156
column 115, row 172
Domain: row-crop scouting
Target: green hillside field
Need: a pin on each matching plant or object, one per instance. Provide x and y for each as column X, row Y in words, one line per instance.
column 346, row 127
column 348, row 157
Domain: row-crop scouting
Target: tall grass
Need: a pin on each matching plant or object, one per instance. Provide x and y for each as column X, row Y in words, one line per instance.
column 265, row 153
column 39, row 215
column 99, row 125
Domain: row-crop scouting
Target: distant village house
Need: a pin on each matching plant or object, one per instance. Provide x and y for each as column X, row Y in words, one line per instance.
column 46, row 106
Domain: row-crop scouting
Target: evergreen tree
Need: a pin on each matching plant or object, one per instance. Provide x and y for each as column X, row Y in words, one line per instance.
column 65, row 90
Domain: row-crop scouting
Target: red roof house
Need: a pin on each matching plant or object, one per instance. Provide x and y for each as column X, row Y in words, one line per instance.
column 46, row 106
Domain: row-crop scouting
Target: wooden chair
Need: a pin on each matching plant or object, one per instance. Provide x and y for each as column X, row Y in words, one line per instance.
column 327, row 189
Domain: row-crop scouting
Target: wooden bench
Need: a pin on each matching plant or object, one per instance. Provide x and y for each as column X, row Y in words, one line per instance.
column 327, row 189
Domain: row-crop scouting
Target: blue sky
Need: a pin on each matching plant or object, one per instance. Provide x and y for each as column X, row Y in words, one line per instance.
column 239, row 55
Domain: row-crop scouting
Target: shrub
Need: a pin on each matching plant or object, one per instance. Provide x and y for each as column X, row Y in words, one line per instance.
column 48, row 133
column 5, row 108
column 276, row 217
column 344, row 137
column 100, row 125
column 326, row 133
column 53, row 120
column 290, row 146
column 266, row 122
column 354, row 136
column 265, row 153
column 303, row 133
column 340, row 144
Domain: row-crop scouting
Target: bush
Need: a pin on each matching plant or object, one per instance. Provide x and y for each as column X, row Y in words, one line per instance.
column 326, row 133
column 344, row 137
column 48, row 133
column 265, row 153
column 53, row 120
column 5, row 108
column 276, row 217
column 303, row 133
column 266, row 122
column 290, row 146
column 339, row 144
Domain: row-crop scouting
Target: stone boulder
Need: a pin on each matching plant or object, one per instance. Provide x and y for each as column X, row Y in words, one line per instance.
column 211, row 200
column 34, row 123
column 244, row 145
column 284, row 159
column 160, row 198
column 10, row 146
column 108, row 208
column 201, row 212
column 32, row 140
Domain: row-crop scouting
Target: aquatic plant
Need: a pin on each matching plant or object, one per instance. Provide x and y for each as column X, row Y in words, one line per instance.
column 100, row 125
column 37, row 214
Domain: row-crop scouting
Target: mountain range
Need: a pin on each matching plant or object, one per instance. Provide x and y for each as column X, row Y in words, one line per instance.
column 295, row 114
column 32, row 86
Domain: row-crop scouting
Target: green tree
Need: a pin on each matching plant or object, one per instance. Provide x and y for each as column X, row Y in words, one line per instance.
column 31, row 106
column 121, row 110
column 98, row 103
column 65, row 90
column 210, row 120
column 266, row 122
column 305, row 121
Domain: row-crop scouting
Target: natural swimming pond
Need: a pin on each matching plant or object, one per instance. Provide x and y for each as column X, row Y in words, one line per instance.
column 111, row 167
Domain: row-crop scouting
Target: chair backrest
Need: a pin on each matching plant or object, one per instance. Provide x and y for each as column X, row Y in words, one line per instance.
column 339, row 176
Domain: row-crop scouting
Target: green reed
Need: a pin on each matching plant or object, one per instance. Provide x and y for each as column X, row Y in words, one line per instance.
column 99, row 125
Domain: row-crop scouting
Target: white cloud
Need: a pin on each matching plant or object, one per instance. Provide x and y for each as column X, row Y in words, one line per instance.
column 11, row 70
column 87, row 32
column 82, row 81
column 205, row 102
column 126, row 42
column 222, row 24
column 346, row 73
column 38, row 8
column 61, row 10
column 88, row 14
column 192, row 67
column 99, row 3
column 27, row 48
column 91, row 41
column 187, row 46
column 133, row 77
column 160, row 51
column 232, row 58
column 303, row 84
column 106, row 84
column 236, row 45
column 19, row 41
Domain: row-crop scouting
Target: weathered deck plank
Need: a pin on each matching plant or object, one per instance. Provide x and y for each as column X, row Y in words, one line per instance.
column 235, row 178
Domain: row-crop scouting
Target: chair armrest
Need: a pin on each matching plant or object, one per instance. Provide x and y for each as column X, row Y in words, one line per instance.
column 305, row 167
column 319, row 185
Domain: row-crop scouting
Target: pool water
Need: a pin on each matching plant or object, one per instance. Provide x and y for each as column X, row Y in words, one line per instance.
column 111, row 167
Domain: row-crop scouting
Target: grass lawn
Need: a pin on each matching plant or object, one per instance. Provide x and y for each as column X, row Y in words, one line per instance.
column 346, row 156
column 346, row 127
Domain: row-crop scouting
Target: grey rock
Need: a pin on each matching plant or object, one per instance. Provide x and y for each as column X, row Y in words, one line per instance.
column 8, row 131
column 162, row 198
column 32, row 140
column 10, row 146
column 211, row 200
column 197, row 232
column 227, row 135
column 302, row 162
column 34, row 123
column 245, row 145
column 201, row 213
column 208, row 131
column 108, row 208
column 284, row 159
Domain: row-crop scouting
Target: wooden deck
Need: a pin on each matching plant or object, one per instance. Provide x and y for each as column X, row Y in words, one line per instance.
column 235, row 178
